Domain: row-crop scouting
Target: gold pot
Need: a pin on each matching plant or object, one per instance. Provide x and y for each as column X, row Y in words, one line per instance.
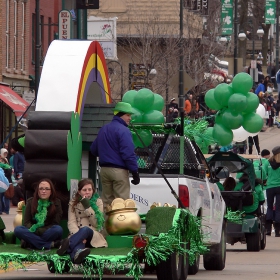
column 18, row 219
column 123, row 221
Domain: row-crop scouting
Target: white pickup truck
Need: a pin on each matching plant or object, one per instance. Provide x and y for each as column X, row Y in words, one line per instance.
column 196, row 190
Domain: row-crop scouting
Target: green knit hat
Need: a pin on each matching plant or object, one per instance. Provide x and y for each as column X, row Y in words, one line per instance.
column 123, row 107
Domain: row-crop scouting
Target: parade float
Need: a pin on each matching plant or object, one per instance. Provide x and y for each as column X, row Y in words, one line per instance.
column 52, row 146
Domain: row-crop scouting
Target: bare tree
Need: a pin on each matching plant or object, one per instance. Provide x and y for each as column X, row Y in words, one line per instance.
column 149, row 38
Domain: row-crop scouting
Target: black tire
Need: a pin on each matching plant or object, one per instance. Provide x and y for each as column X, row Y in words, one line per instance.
column 51, row 267
column 215, row 259
column 193, row 269
column 263, row 234
column 174, row 268
column 253, row 241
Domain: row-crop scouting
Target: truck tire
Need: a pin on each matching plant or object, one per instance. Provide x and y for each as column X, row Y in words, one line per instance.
column 174, row 268
column 193, row 269
column 253, row 241
column 215, row 259
column 263, row 241
column 51, row 268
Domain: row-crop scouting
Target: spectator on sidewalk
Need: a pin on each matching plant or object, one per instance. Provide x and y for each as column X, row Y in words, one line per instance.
column 173, row 111
column 254, row 141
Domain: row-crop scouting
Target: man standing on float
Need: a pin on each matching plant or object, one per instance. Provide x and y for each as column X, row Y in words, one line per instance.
column 115, row 149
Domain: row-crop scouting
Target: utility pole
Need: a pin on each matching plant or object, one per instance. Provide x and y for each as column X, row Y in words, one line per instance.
column 181, row 73
column 235, row 38
column 38, row 48
column 277, row 38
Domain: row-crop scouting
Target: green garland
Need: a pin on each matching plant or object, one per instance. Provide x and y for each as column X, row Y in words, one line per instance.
column 192, row 128
column 184, row 227
column 98, row 214
column 41, row 214
column 234, row 216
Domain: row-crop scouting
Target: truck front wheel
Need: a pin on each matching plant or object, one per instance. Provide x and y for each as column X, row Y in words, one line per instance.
column 51, row 268
column 174, row 268
column 193, row 269
column 216, row 258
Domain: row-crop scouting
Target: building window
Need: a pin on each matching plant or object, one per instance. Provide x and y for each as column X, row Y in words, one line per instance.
column 33, row 38
column 49, row 30
column 22, row 66
column 15, row 34
column 42, row 40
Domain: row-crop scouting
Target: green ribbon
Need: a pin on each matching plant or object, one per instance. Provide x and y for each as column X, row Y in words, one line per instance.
column 40, row 216
column 98, row 214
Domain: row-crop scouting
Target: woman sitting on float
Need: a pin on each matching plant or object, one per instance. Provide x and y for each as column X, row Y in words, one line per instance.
column 85, row 220
column 43, row 212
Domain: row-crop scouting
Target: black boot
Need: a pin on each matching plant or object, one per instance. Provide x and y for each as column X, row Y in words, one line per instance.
column 277, row 229
column 268, row 226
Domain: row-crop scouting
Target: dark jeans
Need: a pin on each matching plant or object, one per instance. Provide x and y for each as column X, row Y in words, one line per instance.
column 254, row 141
column 4, row 204
column 39, row 242
column 270, row 195
column 76, row 240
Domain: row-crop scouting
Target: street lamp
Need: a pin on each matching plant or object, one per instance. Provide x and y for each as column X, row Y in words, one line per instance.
column 112, row 71
column 242, row 36
column 153, row 73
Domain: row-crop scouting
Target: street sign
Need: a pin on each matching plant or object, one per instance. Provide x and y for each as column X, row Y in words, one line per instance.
column 64, row 25
column 253, row 64
column 254, row 74
column 270, row 11
column 227, row 17
column 188, row 82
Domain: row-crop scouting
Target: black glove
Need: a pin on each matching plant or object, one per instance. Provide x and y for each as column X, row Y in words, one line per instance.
column 85, row 202
column 136, row 178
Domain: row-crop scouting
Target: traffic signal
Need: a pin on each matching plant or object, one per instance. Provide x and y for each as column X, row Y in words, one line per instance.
column 87, row 4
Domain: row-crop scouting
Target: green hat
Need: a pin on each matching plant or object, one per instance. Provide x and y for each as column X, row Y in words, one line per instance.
column 123, row 107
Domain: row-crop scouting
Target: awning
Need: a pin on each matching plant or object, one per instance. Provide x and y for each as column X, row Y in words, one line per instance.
column 13, row 100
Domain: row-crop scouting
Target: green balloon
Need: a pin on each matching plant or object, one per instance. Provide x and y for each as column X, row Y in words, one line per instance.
column 144, row 100
column 232, row 120
column 128, row 97
column 136, row 117
column 158, row 102
column 204, row 149
column 146, row 137
column 252, row 122
column 242, row 83
column 153, row 117
column 208, row 136
column 222, row 94
column 222, row 135
column 135, row 139
column 210, row 100
column 219, row 117
column 253, row 102
column 237, row 103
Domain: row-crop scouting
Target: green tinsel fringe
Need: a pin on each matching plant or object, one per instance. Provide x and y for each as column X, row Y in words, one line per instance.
column 185, row 227
column 192, row 128
column 234, row 216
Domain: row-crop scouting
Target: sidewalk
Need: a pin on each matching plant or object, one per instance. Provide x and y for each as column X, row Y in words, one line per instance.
column 8, row 219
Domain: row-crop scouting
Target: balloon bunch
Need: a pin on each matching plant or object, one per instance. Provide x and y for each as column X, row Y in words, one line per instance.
column 238, row 113
column 146, row 107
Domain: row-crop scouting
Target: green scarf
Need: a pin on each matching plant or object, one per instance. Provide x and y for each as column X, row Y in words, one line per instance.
column 98, row 213
column 41, row 214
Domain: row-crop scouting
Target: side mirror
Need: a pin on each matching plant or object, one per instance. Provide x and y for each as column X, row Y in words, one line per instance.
column 221, row 172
